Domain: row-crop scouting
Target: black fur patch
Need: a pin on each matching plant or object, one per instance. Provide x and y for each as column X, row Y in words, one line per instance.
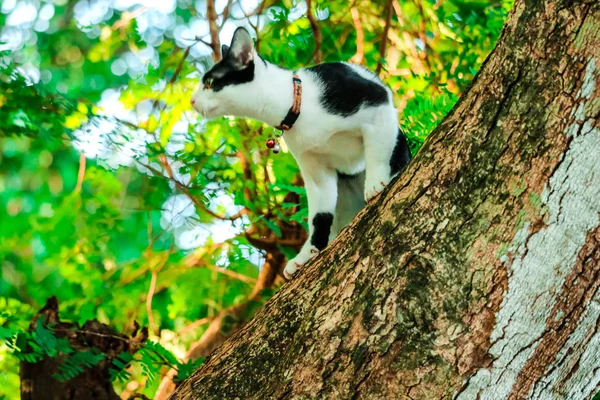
column 322, row 223
column 346, row 177
column 225, row 73
column 344, row 91
column 401, row 154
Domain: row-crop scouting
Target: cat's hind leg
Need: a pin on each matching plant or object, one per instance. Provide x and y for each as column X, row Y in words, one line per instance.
column 380, row 140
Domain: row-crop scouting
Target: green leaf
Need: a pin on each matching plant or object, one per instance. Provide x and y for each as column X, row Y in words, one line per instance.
column 45, row 338
column 77, row 363
column 185, row 370
column 273, row 226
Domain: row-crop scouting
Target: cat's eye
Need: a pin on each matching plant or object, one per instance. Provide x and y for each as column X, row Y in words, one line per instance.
column 208, row 84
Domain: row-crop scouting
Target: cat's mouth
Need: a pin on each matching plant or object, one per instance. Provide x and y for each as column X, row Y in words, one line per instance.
column 207, row 112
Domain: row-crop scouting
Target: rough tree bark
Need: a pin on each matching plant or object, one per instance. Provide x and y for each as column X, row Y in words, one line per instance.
column 476, row 274
column 226, row 323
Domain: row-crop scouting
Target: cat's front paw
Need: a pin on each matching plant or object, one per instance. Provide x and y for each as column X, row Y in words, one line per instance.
column 297, row 262
column 372, row 189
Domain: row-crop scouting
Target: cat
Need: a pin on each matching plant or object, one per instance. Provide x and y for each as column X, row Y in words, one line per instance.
column 345, row 140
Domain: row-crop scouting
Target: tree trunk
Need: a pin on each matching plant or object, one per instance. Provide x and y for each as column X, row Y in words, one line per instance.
column 37, row 380
column 476, row 273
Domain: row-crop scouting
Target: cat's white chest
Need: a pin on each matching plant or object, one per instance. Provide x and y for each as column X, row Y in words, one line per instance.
column 342, row 151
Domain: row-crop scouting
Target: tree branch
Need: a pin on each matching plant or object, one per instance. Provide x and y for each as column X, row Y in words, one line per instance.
column 214, row 336
column 225, row 15
column 81, row 172
column 180, row 65
column 359, row 57
column 384, row 36
column 195, row 325
column 215, row 43
column 408, row 40
column 154, row 276
column 186, row 191
column 127, row 16
column 317, row 55
column 231, row 274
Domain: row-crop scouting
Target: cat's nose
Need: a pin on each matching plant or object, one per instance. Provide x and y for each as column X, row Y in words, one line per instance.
column 192, row 101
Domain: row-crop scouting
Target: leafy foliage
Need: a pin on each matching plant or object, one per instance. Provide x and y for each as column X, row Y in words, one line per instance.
column 169, row 219
column 75, row 364
column 423, row 115
column 33, row 346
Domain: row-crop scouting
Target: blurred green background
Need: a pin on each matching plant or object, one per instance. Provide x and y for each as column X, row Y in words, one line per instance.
column 125, row 204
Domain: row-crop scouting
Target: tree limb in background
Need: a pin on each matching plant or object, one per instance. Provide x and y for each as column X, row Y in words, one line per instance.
column 359, row 57
column 194, row 325
column 225, row 271
column 384, row 36
column 317, row 55
column 127, row 17
column 225, row 15
column 186, row 190
column 154, row 270
column 225, row 323
column 215, row 42
column 80, row 172
column 420, row 67
column 423, row 35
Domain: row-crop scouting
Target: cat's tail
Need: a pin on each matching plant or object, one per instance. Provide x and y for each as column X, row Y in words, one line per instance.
column 401, row 155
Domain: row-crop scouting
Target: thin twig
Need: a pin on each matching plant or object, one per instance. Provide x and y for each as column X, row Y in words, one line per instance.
column 408, row 39
column 384, row 36
column 195, row 260
column 152, row 287
column 271, row 244
column 200, row 40
column 257, row 11
column 359, row 57
column 232, row 274
column 423, row 38
column 317, row 55
column 215, row 43
column 149, row 303
column 195, row 325
column 225, row 14
column 154, row 277
column 185, row 190
column 94, row 334
column 127, row 16
column 81, row 172
column 180, row 65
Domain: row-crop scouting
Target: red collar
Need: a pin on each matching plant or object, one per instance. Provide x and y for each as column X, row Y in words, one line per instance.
column 294, row 111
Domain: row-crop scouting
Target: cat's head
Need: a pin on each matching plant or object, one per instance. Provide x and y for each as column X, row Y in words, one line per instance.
column 220, row 88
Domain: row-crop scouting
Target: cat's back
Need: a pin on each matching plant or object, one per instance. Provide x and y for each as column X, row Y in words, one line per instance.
column 346, row 87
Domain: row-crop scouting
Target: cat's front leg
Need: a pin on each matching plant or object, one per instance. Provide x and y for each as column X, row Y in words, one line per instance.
column 321, row 190
column 307, row 252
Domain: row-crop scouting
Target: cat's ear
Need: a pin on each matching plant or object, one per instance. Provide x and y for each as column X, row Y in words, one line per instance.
column 242, row 47
column 224, row 51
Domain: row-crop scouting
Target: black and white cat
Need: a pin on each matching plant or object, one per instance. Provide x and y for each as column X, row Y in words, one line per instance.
column 346, row 138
